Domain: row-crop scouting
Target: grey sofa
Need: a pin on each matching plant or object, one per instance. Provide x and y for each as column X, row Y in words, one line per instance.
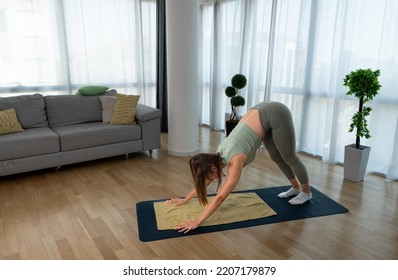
column 66, row 129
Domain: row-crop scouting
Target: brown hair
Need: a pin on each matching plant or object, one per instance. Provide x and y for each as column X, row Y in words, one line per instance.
column 201, row 165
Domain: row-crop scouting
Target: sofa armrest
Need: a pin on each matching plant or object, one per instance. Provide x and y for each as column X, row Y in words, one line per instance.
column 149, row 120
column 146, row 113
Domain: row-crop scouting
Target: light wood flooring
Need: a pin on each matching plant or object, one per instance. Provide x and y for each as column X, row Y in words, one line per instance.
column 87, row 211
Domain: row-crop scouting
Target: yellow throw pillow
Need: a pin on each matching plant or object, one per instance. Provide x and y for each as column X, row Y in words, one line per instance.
column 124, row 109
column 9, row 122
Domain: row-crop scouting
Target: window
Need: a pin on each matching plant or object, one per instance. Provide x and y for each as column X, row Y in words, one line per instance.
column 298, row 52
column 55, row 47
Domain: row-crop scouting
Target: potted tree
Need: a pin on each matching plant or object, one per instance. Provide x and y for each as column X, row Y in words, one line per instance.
column 238, row 82
column 364, row 85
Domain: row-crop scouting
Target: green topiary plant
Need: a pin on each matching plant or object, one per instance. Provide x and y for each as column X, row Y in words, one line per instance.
column 238, row 82
column 364, row 85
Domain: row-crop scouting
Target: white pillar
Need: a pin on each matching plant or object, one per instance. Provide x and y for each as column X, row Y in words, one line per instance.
column 182, row 76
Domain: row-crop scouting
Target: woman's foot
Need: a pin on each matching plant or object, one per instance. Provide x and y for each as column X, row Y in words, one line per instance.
column 291, row 192
column 301, row 198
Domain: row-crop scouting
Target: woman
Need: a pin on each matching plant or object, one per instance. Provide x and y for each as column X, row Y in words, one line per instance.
column 269, row 123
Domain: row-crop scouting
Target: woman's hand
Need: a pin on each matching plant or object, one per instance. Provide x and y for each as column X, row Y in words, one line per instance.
column 177, row 201
column 186, row 226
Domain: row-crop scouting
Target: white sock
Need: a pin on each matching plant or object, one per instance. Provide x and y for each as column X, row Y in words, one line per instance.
column 301, row 198
column 292, row 191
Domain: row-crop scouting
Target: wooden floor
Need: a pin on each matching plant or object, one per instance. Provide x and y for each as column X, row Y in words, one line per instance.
column 87, row 211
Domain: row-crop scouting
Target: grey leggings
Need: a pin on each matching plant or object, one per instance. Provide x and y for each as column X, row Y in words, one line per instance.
column 280, row 140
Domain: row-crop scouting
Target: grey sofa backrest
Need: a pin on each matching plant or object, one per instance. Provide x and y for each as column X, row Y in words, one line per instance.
column 30, row 109
column 72, row 109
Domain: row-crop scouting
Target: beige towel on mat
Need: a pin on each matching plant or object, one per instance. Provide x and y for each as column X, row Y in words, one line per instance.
column 236, row 208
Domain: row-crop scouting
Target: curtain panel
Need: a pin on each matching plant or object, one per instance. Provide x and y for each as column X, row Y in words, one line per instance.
column 298, row 52
column 161, row 63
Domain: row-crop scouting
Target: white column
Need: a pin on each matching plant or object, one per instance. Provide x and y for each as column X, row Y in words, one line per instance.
column 182, row 76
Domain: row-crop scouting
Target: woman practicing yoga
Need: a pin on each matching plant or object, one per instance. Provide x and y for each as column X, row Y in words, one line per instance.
column 267, row 122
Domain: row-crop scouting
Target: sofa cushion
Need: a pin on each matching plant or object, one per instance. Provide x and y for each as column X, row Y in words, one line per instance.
column 108, row 102
column 72, row 109
column 85, row 135
column 9, row 122
column 124, row 109
column 30, row 142
column 30, row 109
column 92, row 90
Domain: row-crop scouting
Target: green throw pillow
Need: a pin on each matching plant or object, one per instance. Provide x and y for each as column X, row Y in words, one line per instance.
column 92, row 90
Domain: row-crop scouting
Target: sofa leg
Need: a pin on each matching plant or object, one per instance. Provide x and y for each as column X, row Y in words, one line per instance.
column 127, row 156
column 58, row 168
column 150, row 153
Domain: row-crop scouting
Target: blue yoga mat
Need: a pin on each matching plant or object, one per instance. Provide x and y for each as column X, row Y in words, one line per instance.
column 320, row 205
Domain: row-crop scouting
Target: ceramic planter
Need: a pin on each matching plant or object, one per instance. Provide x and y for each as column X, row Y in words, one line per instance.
column 355, row 162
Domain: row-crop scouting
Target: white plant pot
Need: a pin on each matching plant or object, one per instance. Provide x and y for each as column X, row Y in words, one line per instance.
column 355, row 162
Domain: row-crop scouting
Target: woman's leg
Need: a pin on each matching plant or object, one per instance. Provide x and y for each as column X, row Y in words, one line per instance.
column 276, row 157
column 283, row 166
column 283, row 136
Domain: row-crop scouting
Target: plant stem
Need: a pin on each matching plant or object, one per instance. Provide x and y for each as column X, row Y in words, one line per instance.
column 358, row 139
column 233, row 115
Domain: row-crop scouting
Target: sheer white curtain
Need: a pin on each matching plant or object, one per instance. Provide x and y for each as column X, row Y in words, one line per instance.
column 112, row 42
column 235, row 40
column 314, row 45
column 56, row 46
column 30, row 47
